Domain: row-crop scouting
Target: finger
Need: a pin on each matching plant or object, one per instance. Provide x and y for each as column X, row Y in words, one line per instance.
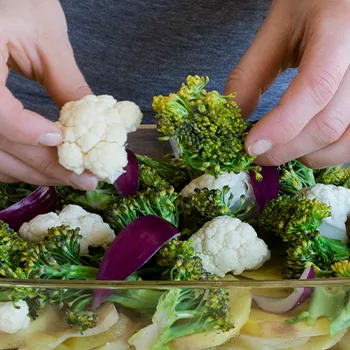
column 334, row 154
column 7, row 179
column 324, row 129
column 17, row 123
column 323, row 66
column 23, row 126
column 62, row 78
column 260, row 65
column 10, row 165
column 45, row 160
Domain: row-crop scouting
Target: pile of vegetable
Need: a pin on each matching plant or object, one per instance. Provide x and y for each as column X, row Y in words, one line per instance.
column 204, row 213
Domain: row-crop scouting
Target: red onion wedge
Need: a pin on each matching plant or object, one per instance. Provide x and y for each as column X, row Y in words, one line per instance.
column 280, row 306
column 127, row 184
column 131, row 249
column 266, row 189
column 41, row 201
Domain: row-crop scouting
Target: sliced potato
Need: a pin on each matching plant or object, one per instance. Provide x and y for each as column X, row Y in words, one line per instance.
column 58, row 331
column 240, row 306
column 323, row 342
column 119, row 333
column 48, row 319
column 271, row 270
column 266, row 325
column 344, row 343
column 246, row 342
column 120, row 344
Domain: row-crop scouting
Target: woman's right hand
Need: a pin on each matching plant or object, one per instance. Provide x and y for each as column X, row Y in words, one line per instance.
column 34, row 42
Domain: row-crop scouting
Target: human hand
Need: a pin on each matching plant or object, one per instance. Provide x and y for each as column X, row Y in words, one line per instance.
column 34, row 42
column 311, row 121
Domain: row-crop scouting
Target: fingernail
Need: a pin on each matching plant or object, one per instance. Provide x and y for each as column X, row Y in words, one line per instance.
column 84, row 181
column 50, row 139
column 260, row 147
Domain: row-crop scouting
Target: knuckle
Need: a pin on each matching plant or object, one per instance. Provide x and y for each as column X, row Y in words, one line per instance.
column 330, row 128
column 309, row 162
column 274, row 159
column 322, row 88
column 47, row 166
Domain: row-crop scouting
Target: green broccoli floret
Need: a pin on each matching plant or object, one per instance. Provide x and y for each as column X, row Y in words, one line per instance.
column 294, row 176
column 93, row 201
column 56, row 257
column 184, row 311
column 173, row 172
column 149, row 178
column 293, row 217
column 82, row 320
column 336, row 175
column 13, row 193
column 341, row 269
column 155, row 197
column 204, row 205
column 319, row 251
column 207, row 127
column 296, row 220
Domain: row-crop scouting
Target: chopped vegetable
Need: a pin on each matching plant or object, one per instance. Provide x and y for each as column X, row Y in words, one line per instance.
column 280, row 306
column 155, row 197
column 208, row 128
column 294, row 176
column 296, row 220
column 132, row 248
column 265, row 186
column 40, row 201
column 127, row 183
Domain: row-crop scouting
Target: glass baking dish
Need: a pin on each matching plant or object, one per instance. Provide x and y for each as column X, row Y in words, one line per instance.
column 253, row 328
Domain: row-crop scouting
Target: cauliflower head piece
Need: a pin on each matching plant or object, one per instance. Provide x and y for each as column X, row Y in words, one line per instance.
column 239, row 184
column 338, row 197
column 226, row 244
column 94, row 131
column 14, row 317
column 94, row 231
column 36, row 229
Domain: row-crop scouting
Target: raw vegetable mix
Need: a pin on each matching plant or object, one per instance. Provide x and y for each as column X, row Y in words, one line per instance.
column 207, row 214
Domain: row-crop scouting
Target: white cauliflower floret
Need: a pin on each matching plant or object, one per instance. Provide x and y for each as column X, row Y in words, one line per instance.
column 36, row 229
column 13, row 319
column 107, row 160
column 94, row 131
column 338, row 198
column 226, row 244
column 239, row 185
column 94, row 231
column 132, row 114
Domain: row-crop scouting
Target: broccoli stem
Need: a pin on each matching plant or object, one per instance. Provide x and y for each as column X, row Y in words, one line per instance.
column 67, row 271
column 143, row 301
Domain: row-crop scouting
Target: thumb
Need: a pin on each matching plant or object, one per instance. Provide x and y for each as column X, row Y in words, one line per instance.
column 260, row 66
column 62, row 77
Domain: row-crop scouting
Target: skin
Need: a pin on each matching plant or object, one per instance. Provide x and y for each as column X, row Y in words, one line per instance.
column 310, row 123
column 34, row 42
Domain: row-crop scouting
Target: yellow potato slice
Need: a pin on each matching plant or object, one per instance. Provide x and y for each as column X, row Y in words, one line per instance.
column 271, row 270
column 51, row 335
column 119, row 333
column 344, row 343
column 246, row 342
column 323, row 342
column 266, row 325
